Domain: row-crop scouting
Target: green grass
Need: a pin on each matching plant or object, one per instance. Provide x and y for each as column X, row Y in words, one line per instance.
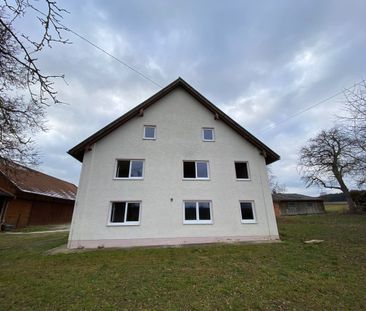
column 42, row 228
column 332, row 207
column 283, row 276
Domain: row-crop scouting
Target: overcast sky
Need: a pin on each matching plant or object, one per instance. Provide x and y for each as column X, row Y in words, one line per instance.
column 259, row 61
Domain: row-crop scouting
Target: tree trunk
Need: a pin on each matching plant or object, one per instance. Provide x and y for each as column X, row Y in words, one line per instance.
column 351, row 205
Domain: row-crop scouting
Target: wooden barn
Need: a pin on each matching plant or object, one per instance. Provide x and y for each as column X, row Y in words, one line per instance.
column 286, row 204
column 29, row 197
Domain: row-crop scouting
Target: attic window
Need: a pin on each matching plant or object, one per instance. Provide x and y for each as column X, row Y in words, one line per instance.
column 149, row 132
column 208, row 134
column 241, row 170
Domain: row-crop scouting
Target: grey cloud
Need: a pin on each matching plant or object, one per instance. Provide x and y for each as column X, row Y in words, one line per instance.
column 259, row 62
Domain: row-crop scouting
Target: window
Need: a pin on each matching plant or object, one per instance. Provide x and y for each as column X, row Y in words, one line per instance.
column 241, row 170
column 195, row 169
column 197, row 212
column 247, row 212
column 149, row 132
column 133, row 169
column 125, row 213
column 208, row 134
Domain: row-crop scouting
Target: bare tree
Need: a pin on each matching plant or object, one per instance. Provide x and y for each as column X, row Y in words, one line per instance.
column 327, row 159
column 25, row 91
column 274, row 183
column 355, row 123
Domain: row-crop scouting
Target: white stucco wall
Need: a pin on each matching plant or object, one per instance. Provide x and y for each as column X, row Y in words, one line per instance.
column 179, row 119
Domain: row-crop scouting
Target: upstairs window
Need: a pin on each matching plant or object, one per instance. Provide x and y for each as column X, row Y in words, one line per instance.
column 125, row 213
column 208, row 134
column 149, row 132
column 241, row 170
column 195, row 169
column 197, row 212
column 247, row 212
column 133, row 169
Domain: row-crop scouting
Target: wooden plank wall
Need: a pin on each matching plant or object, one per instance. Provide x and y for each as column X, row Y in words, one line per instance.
column 22, row 213
column 48, row 213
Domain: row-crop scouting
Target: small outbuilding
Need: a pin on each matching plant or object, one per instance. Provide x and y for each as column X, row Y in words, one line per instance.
column 29, row 197
column 286, row 204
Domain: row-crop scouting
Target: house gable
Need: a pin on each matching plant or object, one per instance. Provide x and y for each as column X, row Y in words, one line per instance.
column 79, row 150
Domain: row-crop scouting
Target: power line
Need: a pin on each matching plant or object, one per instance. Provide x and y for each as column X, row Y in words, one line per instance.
column 101, row 49
column 114, row 57
column 308, row 108
column 104, row 51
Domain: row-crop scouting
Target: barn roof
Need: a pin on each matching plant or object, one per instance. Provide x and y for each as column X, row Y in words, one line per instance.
column 28, row 180
column 293, row 197
column 78, row 151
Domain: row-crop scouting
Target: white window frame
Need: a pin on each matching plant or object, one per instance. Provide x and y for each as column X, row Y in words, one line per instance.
column 213, row 133
column 248, row 221
column 149, row 138
column 249, row 175
column 197, row 221
column 195, row 163
column 129, row 170
column 125, row 223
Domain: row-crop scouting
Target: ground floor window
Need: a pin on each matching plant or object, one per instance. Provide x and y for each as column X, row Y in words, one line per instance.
column 125, row 213
column 197, row 212
column 247, row 212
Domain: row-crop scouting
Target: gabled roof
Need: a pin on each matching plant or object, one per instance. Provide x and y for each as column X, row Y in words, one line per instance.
column 293, row 197
column 29, row 181
column 78, row 151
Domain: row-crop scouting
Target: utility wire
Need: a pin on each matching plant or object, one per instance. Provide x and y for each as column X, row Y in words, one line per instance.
column 104, row 51
column 114, row 57
column 308, row 108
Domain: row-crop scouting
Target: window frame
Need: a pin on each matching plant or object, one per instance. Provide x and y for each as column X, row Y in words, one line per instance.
column 248, row 170
column 149, row 138
column 129, row 170
column 213, row 134
column 125, row 223
column 197, row 221
column 196, row 171
column 248, row 221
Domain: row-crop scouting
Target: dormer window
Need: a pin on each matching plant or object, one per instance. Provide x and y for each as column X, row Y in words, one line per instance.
column 149, row 132
column 208, row 134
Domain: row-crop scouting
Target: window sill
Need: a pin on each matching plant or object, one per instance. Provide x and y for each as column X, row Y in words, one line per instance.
column 147, row 138
column 243, row 179
column 123, row 224
column 128, row 178
column 208, row 141
column 249, row 222
column 197, row 222
column 196, row 179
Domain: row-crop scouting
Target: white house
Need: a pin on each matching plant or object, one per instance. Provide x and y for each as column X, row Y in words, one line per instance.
column 173, row 170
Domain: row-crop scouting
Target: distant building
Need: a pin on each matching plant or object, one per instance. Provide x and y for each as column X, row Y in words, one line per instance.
column 29, row 197
column 286, row 204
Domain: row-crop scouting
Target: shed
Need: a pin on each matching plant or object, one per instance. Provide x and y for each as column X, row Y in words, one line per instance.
column 29, row 197
column 286, row 204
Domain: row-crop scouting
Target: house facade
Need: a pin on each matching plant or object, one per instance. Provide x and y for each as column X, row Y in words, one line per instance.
column 29, row 197
column 173, row 170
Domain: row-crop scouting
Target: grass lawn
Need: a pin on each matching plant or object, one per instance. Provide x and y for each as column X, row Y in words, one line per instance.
column 283, row 276
column 42, row 228
column 336, row 207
